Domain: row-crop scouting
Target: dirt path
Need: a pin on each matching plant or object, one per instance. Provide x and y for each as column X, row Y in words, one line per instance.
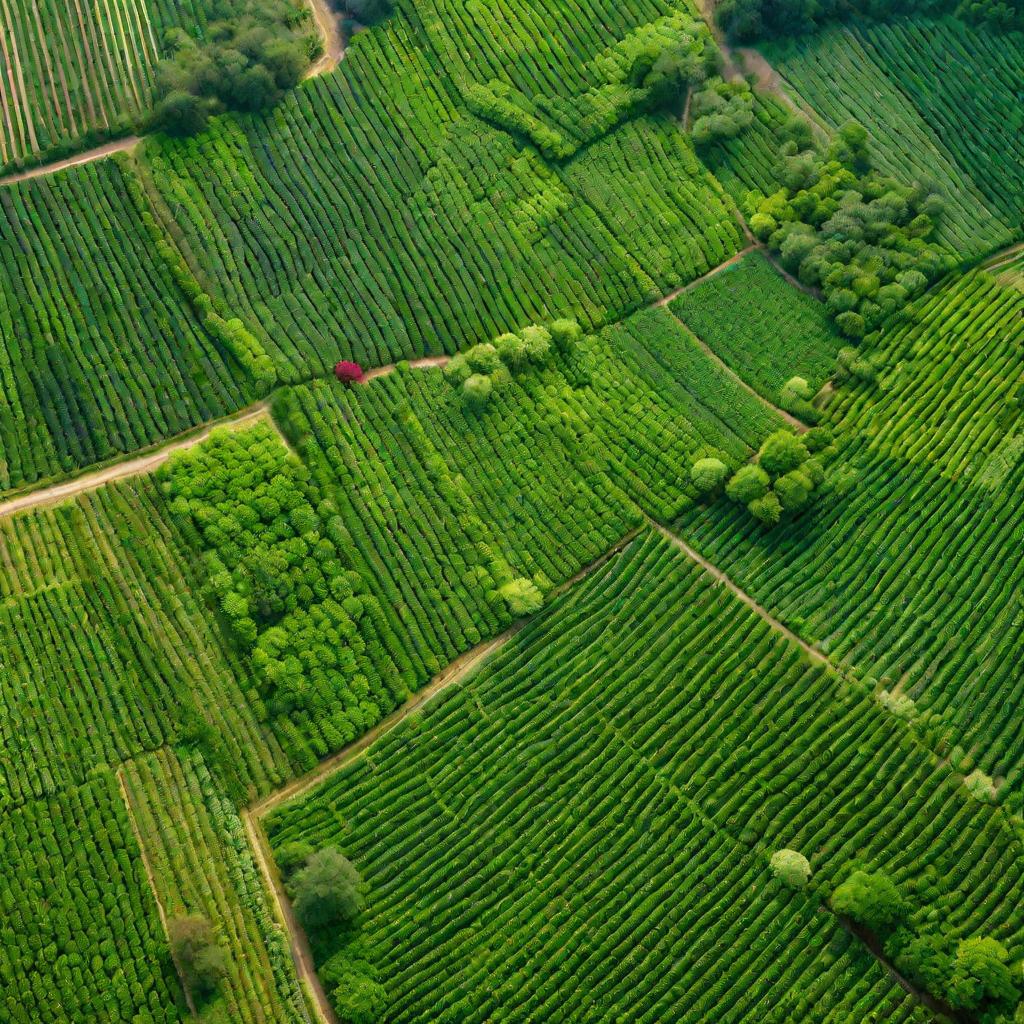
column 151, row 878
column 329, row 23
column 130, row 467
column 732, row 261
column 117, row 146
column 1000, row 259
column 717, row 573
column 416, row 364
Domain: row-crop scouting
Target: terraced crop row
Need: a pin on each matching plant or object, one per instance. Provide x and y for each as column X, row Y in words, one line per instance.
column 106, row 652
column 196, row 847
column 583, row 827
column 909, row 567
column 764, row 328
column 82, row 940
column 461, row 233
column 100, row 351
column 941, row 101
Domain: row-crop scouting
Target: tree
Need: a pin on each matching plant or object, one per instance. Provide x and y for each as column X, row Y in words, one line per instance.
column 748, row 484
column 870, row 899
column 195, row 951
column 566, row 334
column 782, row 452
column 348, row 372
column 477, row 390
column 293, row 856
column 793, row 490
column 522, row 596
column 766, row 510
column 327, row 891
column 180, row 113
column 926, row 959
column 708, row 474
column 981, row 977
column 790, row 867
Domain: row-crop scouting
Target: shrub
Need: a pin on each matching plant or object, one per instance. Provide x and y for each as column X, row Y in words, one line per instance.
column 782, row 452
column 817, row 438
column 477, row 390
column 790, row 867
column 327, row 891
column 766, row 510
column 457, row 370
column 522, row 596
column 981, row 786
column 708, row 474
column 981, row 978
column 358, row 998
column 511, row 349
column 927, row 960
column 180, row 113
column 748, row 484
column 538, row 343
column 566, row 334
column 870, row 899
column 293, row 856
column 483, row 358
column 794, row 490
column 195, row 950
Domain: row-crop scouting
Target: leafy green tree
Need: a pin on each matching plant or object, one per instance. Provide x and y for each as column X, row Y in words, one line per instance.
column 981, row 978
column 180, row 113
column 927, row 960
column 782, row 452
column 748, row 484
column 870, row 899
column 566, row 334
column 708, row 475
column 327, row 891
column 477, row 390
column 197, row 954
column 766, row 510
column 790, row 867
column 522, row 596
column 793, row 490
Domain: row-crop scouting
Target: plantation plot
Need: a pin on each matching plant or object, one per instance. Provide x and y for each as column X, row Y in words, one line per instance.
column 82, row 939
column 106, row 652
column 942, row 102
column 100, row 352
column 583, row 828
column 764, row 328
column 445, row 507
column 459, row 233
column 909, row 567
column 73, row 71
column 202, row 865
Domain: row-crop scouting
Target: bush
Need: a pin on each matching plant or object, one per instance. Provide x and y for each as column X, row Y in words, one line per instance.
column 981, row 786
column 348, row 372
column 195, row 950
column 538, row 343
column 293, row 856
column 748, row 484
column 766, row 510
column 327, row 891
column 708, row 474
column 180, row 113
column 566, row 334
column 483, row 358
column 981, row 978
column 790, row 867
column 522, row 596
column 358, row 998
column 782, row 452
column 870, row 899
column 794, row 490
column 477, row 390
column 511, row 349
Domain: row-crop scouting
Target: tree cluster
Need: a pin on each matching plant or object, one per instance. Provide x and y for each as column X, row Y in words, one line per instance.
column 721, row 110
column 970, row 974
column 862, row 238
column 749, row 20
column 783, row 480
column 482, row 368
column 251, row 54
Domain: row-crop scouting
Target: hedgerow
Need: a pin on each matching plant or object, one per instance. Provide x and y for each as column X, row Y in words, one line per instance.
column 727, row 743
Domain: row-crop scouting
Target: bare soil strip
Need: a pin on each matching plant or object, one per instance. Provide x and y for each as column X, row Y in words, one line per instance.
column 117, row 146
column 329, row 23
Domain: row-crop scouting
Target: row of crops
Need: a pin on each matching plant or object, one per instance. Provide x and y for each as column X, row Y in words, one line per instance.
column 942, row 103
column 81, row 933
column 460, row 233
column 536, row 485
column 910, row 568
column 196, row 847
column 107, row 650
column 74, row 71
column 766, row 330
column 583, row 828
column 100, row 350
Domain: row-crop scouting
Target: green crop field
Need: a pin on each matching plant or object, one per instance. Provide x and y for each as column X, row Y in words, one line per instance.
column 511, row 512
